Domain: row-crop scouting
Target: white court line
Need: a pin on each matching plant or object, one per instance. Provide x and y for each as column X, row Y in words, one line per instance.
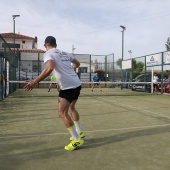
column 93, row 131
column 131, row 128
column 168, row 117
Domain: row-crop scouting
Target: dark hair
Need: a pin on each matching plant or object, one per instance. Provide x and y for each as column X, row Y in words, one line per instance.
column 51, row 41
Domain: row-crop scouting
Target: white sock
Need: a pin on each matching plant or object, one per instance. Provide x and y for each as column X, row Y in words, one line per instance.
column 73, row 132
column 77, row 125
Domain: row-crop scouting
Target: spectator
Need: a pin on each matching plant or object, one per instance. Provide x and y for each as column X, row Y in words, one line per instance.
column 155, row 80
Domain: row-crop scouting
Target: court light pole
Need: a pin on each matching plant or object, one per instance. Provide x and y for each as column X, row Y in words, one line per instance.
column 14, row 16
column 130, row 52
column 73, row 49
column 123, row 29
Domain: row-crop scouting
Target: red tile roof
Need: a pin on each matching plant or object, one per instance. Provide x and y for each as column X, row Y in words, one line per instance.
column 17, row 36
column 32, row 51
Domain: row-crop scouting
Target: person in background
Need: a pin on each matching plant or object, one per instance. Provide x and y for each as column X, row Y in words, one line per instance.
column 169, row 77
column 59, row 62
column 155, row 80
column 1, row 79
column 96, row 82
column 53, row 81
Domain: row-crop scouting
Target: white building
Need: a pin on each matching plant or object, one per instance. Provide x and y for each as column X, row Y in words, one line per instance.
column 32, row 64
column 21, row 41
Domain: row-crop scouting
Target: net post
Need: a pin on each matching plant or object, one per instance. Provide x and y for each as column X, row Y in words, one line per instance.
column 162, row 75
column 38, row 65
column 105, row 69
column 113, row 69
column 152, row 80
column 145, row 74
column 90, row 68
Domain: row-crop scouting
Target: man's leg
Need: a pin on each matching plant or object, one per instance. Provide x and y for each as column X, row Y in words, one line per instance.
column 154, row 87
column 49, row 87
column 76, row 118
column 92, row 87
column 58, row 87
column 63, row 106
column 63, row 113
column 100, row 87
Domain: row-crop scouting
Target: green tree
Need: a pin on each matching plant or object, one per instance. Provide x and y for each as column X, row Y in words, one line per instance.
column 119, row 62
column 137, row 67
column 140, row 66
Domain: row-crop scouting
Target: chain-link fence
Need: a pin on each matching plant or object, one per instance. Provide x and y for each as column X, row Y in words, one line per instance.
column 8, row 65
column 32, row 64
column 143, row 68
column 156, row 62
column 103, row 64
column 109, row 69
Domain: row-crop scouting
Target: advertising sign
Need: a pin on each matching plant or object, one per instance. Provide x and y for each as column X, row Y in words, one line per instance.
column 153, row 59
column 126, row 64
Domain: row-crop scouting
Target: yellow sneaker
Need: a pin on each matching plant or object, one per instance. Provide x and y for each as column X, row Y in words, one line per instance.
column 81, row 135
column 74, row 144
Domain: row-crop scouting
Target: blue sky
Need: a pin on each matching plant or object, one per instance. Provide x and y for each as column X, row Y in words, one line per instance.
column 93, row 26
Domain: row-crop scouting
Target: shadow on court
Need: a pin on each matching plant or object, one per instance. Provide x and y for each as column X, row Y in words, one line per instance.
column 98, row 142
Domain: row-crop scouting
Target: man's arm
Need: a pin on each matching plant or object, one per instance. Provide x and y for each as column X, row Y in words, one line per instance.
column 49, row 67
column 76, row 63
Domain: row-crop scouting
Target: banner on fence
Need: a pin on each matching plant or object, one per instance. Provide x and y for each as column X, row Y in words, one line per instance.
column 153, row 59
column 127, row 64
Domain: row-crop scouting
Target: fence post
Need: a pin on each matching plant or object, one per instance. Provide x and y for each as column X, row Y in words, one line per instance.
column 38, row 65
column 162, row 75
column 152, row 81
column 145, row 75
column 113, row 68
column 1, row 79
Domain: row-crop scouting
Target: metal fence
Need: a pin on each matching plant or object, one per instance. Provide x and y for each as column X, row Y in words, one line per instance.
column 24, row 65
column 103, row 64
column 158, row 63
column 8, row 65
column 32, row 64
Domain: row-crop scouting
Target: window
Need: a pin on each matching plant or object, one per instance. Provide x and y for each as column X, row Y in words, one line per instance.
column 11, row 45
column 35, row 66
column 82, row 69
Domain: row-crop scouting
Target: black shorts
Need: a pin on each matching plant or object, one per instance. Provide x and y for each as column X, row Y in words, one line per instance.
column 155, row 85
column 96, row 84
column 70, row 94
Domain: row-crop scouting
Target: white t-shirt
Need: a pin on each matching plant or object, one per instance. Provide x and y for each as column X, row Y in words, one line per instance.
column 63, row 70
column 155, row 79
